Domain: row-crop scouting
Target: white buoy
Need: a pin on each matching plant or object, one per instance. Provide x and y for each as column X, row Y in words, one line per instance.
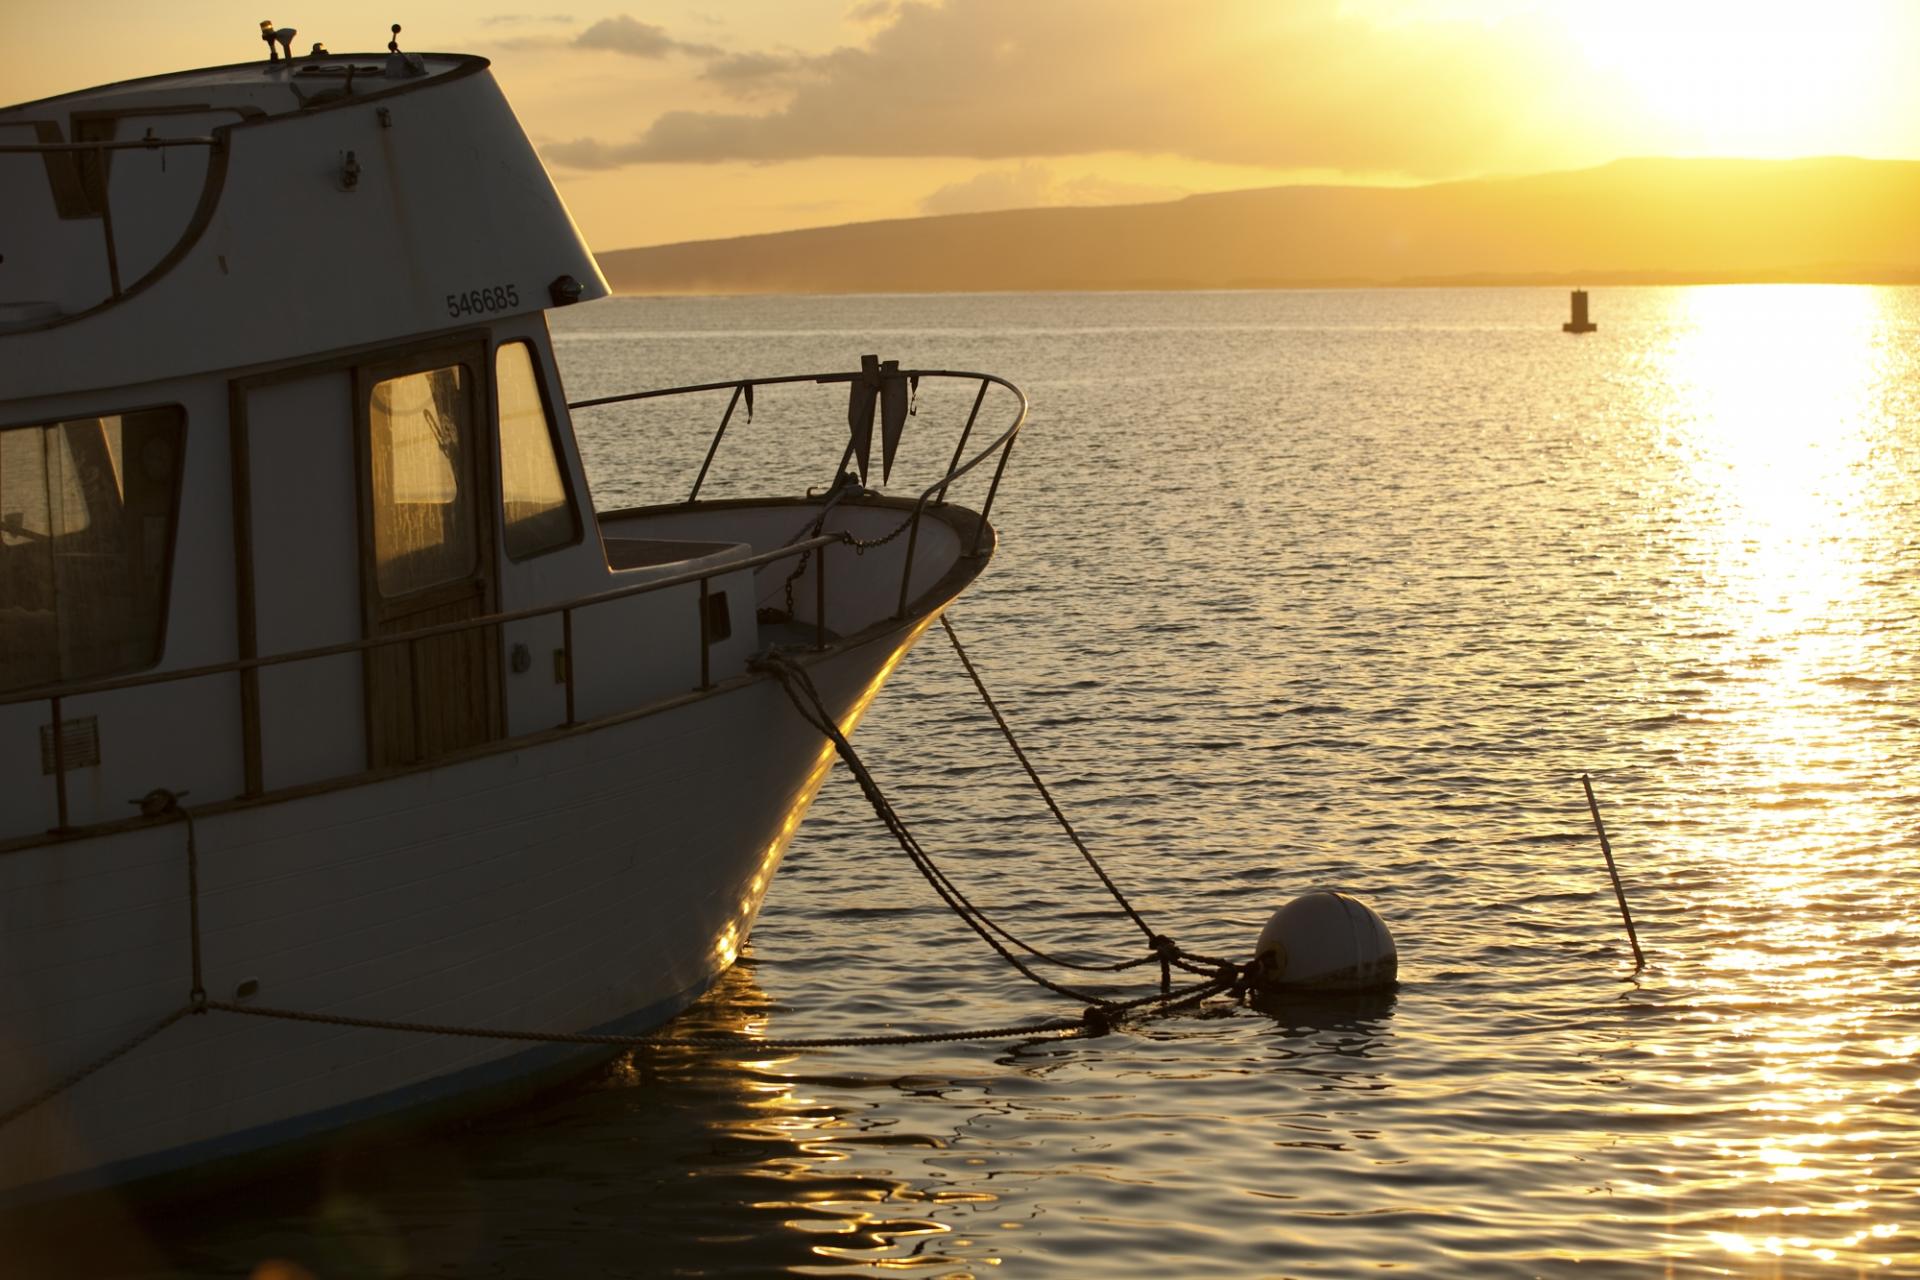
column 1325, row 941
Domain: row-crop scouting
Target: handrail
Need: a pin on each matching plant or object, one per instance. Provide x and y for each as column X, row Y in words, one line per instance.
column 1002, row 444
column 238, row 665
column 125, row 144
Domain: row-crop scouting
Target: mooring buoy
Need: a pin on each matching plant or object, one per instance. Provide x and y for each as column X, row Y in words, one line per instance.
column 1325, row 941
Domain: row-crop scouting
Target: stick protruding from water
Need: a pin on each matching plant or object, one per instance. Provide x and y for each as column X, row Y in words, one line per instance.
column 1593, row 807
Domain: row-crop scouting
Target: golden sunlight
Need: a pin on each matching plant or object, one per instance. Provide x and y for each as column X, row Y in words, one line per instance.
column 1774, row 382
column 1745, row 77
column 1774, row 432
column 1778, row 436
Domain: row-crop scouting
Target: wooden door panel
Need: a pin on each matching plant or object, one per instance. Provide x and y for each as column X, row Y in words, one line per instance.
column 427, row 556
column 437, row 694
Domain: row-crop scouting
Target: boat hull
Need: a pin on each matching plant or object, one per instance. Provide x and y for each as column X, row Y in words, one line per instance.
column 598, row 880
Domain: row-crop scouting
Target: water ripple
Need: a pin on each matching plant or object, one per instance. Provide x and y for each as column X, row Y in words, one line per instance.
column 1295, row 590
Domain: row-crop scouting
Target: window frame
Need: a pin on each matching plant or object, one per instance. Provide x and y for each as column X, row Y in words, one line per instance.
column 537, row 357
column 469, row 544
column 164, row 620
column 402, row 362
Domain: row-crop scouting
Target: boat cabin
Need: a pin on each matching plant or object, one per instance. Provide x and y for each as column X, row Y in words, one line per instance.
column 275, row 377
column 323, row 685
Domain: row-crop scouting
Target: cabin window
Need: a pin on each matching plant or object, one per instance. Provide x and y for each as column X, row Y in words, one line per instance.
column 420, row 429
column 87, row 514
column 533, row 487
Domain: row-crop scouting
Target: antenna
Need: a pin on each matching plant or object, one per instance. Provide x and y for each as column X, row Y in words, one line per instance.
column 402, row 65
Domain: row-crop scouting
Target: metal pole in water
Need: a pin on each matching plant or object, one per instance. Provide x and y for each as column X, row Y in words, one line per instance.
column 1579, row 323
column 1593, row 807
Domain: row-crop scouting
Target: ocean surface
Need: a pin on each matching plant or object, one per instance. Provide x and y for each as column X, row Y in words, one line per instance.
column 1295, row 590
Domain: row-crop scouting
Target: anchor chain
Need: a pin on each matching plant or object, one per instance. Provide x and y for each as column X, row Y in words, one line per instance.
column 846, row 485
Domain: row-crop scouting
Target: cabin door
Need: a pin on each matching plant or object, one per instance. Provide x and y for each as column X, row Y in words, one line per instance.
column 427, row 555
column 295, row 479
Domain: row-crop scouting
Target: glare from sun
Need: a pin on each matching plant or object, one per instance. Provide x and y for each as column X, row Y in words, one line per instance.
column 1745, row 77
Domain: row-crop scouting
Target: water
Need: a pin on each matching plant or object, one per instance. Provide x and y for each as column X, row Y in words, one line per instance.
column 1298, row 590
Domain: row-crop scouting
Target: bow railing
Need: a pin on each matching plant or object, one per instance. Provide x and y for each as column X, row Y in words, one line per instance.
column 870, row 378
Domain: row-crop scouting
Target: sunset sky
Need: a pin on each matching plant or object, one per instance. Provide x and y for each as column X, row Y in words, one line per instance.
column 688, row 119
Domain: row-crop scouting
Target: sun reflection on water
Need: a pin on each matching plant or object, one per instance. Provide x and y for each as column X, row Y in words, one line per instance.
column 1777, row 437
column 796, row 1148
column 1423, row 562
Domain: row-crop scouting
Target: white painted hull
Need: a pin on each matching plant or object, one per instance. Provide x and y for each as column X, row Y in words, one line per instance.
column 453, row 754
column 597, row 880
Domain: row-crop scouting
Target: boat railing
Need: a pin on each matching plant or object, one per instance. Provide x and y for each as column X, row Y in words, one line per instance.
column 98, row 151
column 743, row 389
column 56, row 696
column 247, row 669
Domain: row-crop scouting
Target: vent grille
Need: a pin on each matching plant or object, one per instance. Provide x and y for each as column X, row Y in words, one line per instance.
column 79, row 742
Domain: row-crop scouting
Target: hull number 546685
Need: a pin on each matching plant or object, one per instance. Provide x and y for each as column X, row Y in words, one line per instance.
column 477, row 302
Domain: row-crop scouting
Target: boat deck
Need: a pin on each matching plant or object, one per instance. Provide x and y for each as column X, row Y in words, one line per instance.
column 647, row 553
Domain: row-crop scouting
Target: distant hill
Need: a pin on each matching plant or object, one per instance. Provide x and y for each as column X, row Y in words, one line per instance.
column 1630, row 222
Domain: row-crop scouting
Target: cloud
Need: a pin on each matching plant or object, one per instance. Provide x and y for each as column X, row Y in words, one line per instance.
column 756, row 75
column 624, row 34
column 1033, row 186
column 1090, row 189
column 581, row 153
column 1027, row 187
column 1305, row 84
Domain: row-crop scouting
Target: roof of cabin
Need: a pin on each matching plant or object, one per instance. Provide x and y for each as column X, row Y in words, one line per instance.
column 236, row 217
column 256, row 88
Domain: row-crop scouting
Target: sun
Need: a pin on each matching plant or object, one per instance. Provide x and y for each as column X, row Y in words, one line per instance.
column 1747, row 77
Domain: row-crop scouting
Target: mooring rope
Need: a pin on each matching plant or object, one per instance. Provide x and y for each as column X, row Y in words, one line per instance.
column 1093, row 1023
column 1053, row 1028
column 1099, row 1016
column 1006, row 731
column 807, row 700
column 1159, row 942
column 106, row 1059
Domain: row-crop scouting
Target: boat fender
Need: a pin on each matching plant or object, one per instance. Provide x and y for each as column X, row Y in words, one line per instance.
column 1325, row 941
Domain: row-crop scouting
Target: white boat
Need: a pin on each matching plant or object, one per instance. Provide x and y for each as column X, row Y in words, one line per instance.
column 295, row 543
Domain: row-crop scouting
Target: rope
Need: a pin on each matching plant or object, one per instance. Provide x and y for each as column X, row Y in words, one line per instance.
column 1054, row 1028
column 807, row 700
column 107, row 1059
column 1099, row 1017
column 1006, row 731
column 1165, row 949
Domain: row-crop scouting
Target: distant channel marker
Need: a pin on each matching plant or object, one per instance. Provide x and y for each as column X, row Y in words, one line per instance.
column 1579, row 323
